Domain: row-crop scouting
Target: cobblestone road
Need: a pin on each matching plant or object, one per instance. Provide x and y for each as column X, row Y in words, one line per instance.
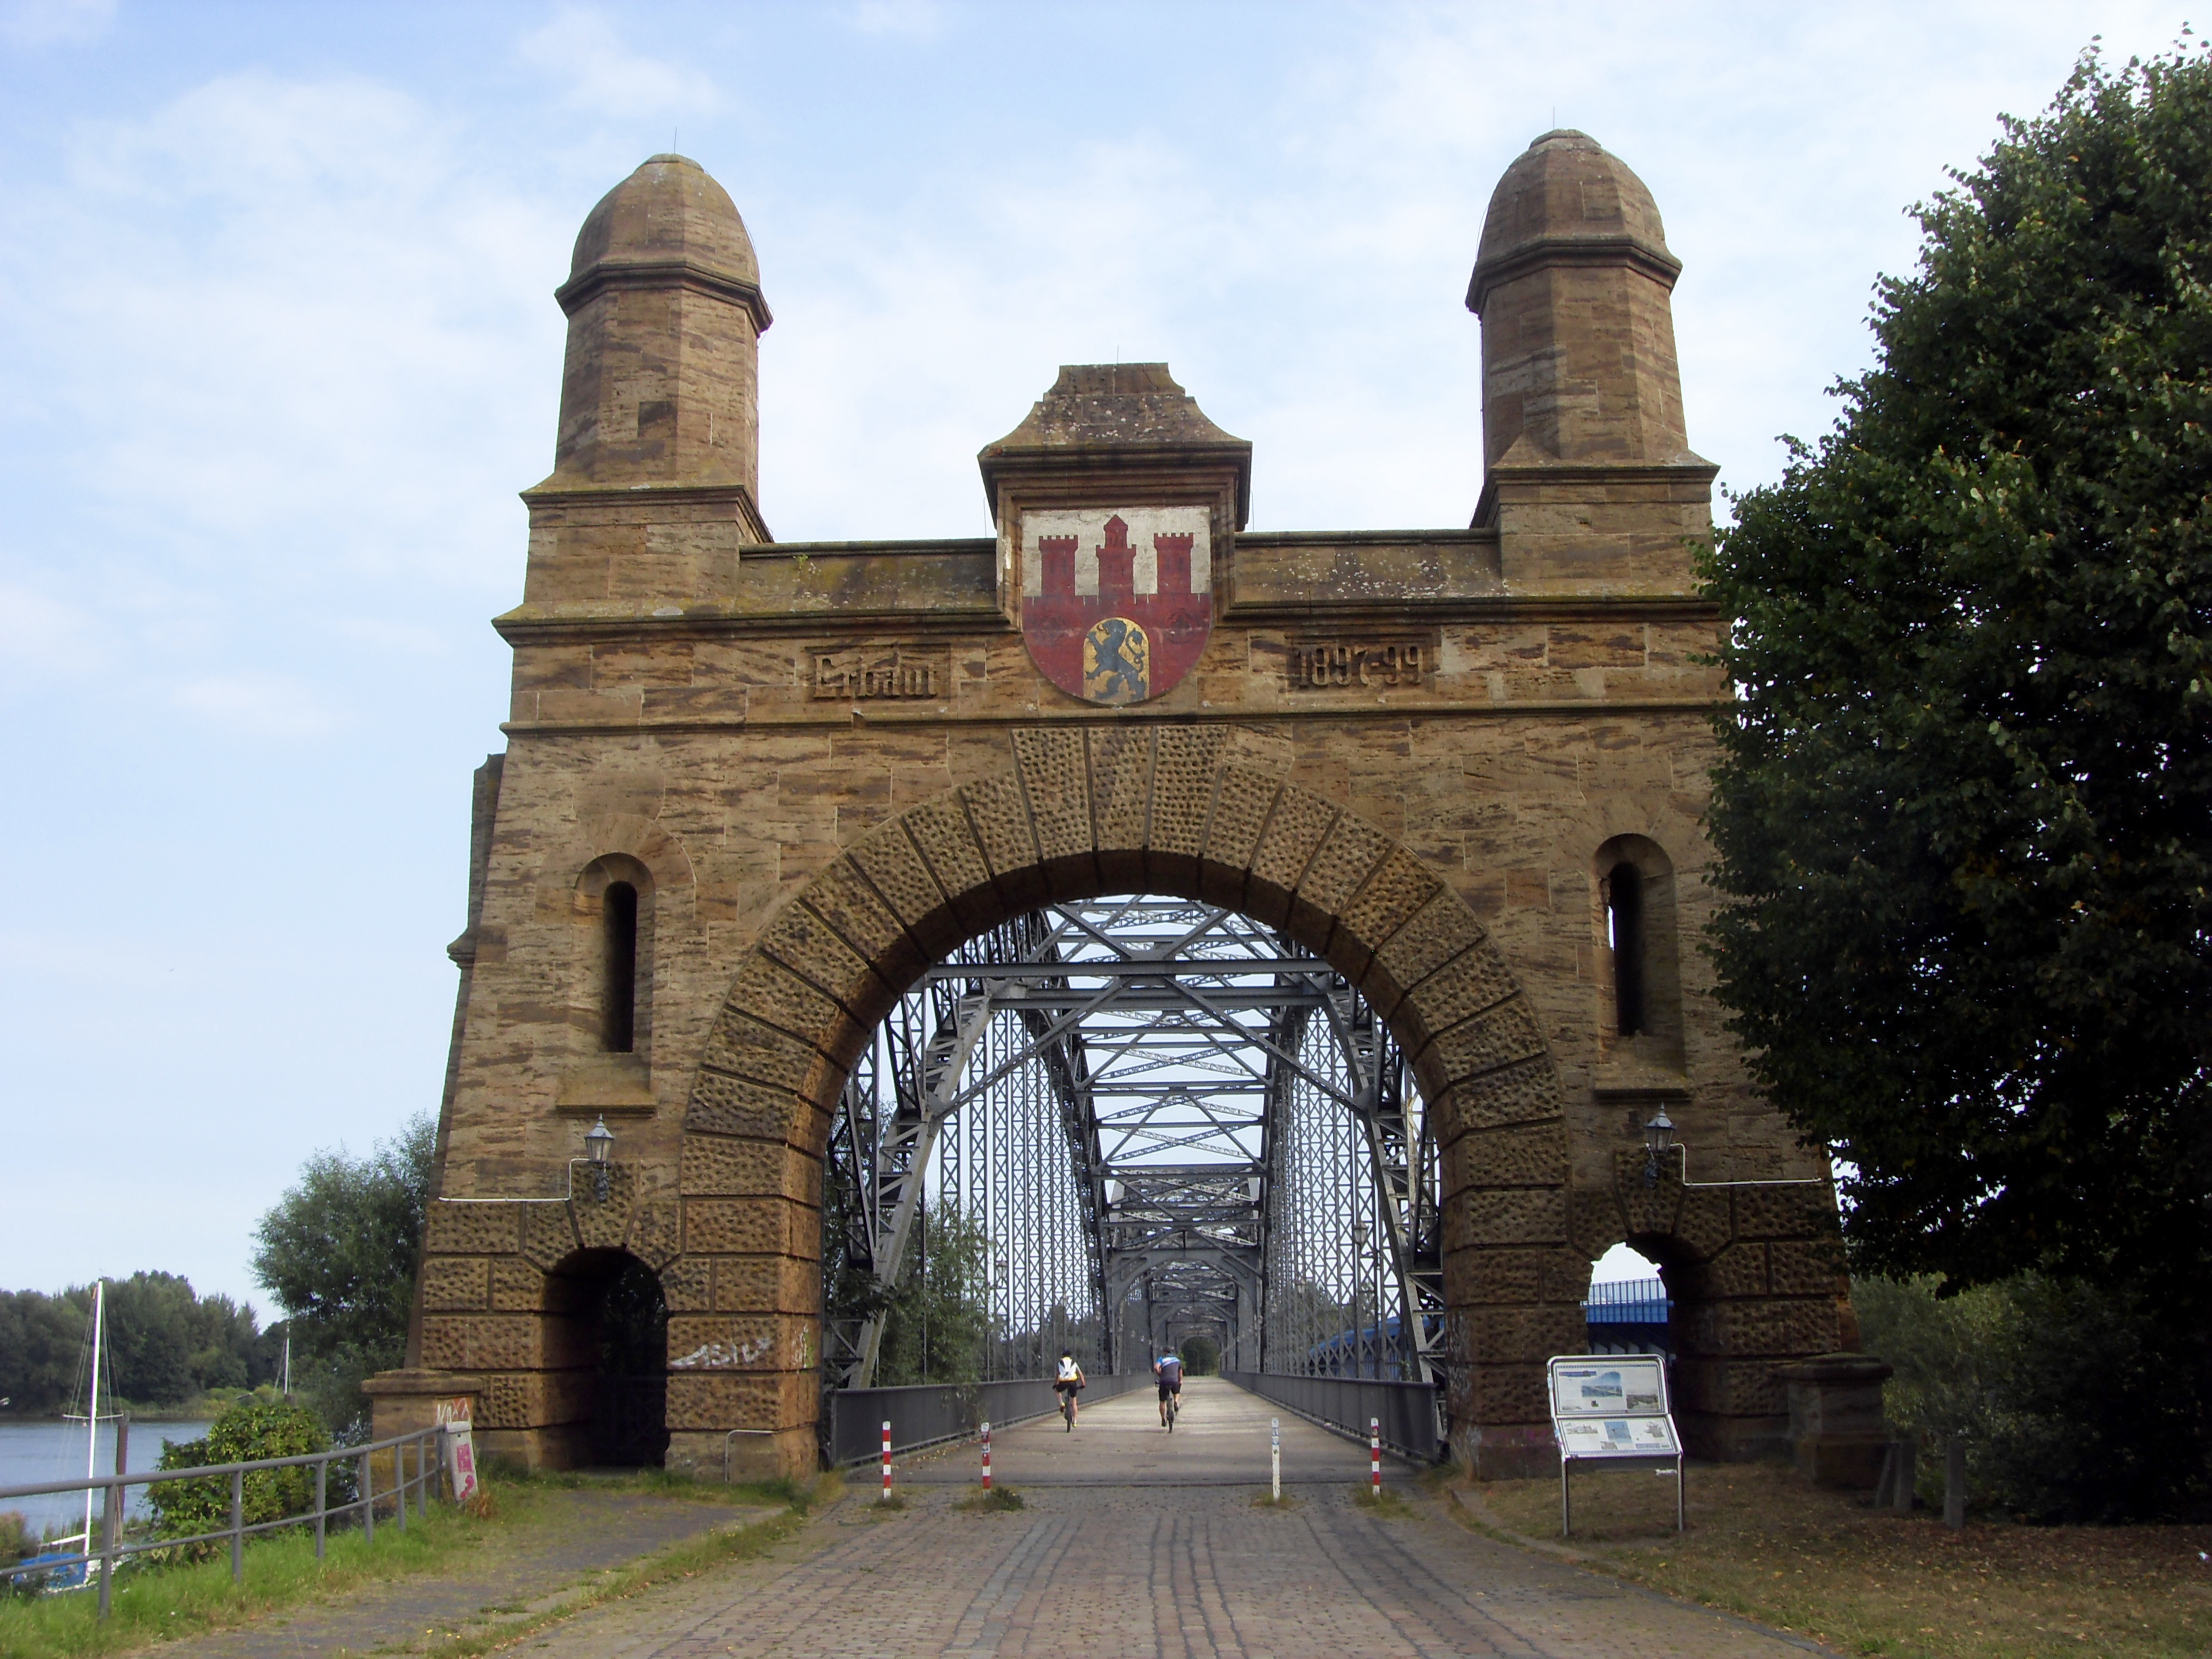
column 1099, row 1565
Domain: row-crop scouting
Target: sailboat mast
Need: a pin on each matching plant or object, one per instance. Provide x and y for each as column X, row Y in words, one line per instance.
column 91, row 1406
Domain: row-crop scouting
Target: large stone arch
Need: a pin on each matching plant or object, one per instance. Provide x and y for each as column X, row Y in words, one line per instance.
column 1391, row 742
column 1197, row 811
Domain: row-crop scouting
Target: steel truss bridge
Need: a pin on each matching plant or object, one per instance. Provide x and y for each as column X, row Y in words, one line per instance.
column 1166, row 1121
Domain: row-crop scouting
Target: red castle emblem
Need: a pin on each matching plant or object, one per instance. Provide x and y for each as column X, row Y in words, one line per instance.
column 1114, row 615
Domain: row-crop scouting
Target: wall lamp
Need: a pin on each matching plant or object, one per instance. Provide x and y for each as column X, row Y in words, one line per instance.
column 598, row 1142
column 1658, row 1136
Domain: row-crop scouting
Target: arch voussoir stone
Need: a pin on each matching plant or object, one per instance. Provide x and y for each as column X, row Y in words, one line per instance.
column 1074, row 814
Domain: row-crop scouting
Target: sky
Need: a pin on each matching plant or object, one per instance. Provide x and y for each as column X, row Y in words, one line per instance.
column 278, row 349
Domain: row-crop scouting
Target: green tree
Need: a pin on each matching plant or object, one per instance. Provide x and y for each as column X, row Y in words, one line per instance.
column 246, row 1432
column 938, row 1321
column 339, row 1253
column 1963, row 808
column 162, row 1344
column 168, row 1344
column 2073, row 1400
column 41, row 1346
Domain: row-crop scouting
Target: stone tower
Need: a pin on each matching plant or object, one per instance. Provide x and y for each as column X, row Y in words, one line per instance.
column 752, row 790
column 1588, row 472
column 656, row 470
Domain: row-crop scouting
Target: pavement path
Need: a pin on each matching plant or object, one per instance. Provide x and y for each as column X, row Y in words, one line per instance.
column 584, row 1532
column 1138, row 1545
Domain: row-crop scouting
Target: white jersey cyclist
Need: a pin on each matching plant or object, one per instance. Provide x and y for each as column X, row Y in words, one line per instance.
column 1067, row 1380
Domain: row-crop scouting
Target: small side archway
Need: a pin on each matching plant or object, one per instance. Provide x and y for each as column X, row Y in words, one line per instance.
column 607, row 1349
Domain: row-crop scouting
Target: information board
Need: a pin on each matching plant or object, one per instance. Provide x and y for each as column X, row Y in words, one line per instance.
column 1612, row 1406
column 1609, row 1385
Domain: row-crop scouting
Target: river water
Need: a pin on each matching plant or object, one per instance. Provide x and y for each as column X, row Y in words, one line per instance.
column 33, row 1454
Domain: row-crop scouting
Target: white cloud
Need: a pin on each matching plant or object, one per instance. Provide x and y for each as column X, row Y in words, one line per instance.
column 581, row 48
column 408, row 639
column 55, row 22
column 46, row 637
column 256, row 705
column 917, row 19
column 286, row 329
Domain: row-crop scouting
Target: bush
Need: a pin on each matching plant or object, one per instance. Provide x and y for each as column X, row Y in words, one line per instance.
column 2077, row 1403
column 251, row 1429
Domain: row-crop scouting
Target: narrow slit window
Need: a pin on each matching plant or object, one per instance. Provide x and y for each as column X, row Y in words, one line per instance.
column 618, row 919
column 1624, row 927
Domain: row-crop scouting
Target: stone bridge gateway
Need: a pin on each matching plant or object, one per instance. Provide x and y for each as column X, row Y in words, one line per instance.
column 753, row 790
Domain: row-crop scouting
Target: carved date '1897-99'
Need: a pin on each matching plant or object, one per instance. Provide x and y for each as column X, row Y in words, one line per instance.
column 1323, row 664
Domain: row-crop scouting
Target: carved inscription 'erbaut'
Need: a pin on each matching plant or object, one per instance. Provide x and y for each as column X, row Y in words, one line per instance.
column 857, row 674
column 1326, row 665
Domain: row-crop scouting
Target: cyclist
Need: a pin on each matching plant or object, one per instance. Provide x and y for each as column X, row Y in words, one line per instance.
column 1168, row 1370
column 1067, row 1382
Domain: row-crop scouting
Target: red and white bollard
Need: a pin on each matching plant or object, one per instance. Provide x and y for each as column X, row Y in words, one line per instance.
column 987, row 1457
column 887, row 1462
column 1374, row 1456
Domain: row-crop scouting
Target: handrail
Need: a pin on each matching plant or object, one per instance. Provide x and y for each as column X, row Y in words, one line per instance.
column 148, row 1477
column 429, row 1469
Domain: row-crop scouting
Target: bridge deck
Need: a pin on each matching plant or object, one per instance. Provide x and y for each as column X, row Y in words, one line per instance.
column 1138, row 1544
column 1220, row 1439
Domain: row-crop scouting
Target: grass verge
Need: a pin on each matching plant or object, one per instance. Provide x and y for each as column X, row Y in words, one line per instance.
column 158, row 1603
column 998, row 1501
column 1768, row 1545
column 1385, row 1503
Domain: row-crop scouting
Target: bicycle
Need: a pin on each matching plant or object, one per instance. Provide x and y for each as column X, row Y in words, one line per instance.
column 1067, row 1409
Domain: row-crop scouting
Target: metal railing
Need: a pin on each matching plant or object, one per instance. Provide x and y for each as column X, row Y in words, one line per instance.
column 429, row 1467
column 928, row 1414
column 1410, row 1413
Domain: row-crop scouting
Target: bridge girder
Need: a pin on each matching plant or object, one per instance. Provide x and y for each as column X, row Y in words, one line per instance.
column 1168, row 1054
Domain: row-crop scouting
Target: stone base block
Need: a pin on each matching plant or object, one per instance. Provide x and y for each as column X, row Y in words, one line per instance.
column 402, row 1402
column 1733, row 1439
column 1837, row 1433
column 775, row 1455
column 531, row 1448
column 1849, row 1463
column 1506, row 1451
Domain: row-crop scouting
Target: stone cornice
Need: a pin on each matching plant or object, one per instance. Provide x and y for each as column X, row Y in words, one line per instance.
column 1431, row 610
column 1156, row 462
column 844, row 716
column 579, row 623
column 570, row 624
column 580, row 291
column 1691, row 469
column 562, row 491
column 1618, row 250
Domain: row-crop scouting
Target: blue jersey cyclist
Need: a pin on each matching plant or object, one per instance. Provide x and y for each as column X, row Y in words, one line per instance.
column 1168, row 1370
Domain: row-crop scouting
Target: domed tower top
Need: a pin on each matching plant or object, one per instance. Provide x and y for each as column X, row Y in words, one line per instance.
column 1572, row 285
column 1565, row 194
column 664, row 313
column 669, row 213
